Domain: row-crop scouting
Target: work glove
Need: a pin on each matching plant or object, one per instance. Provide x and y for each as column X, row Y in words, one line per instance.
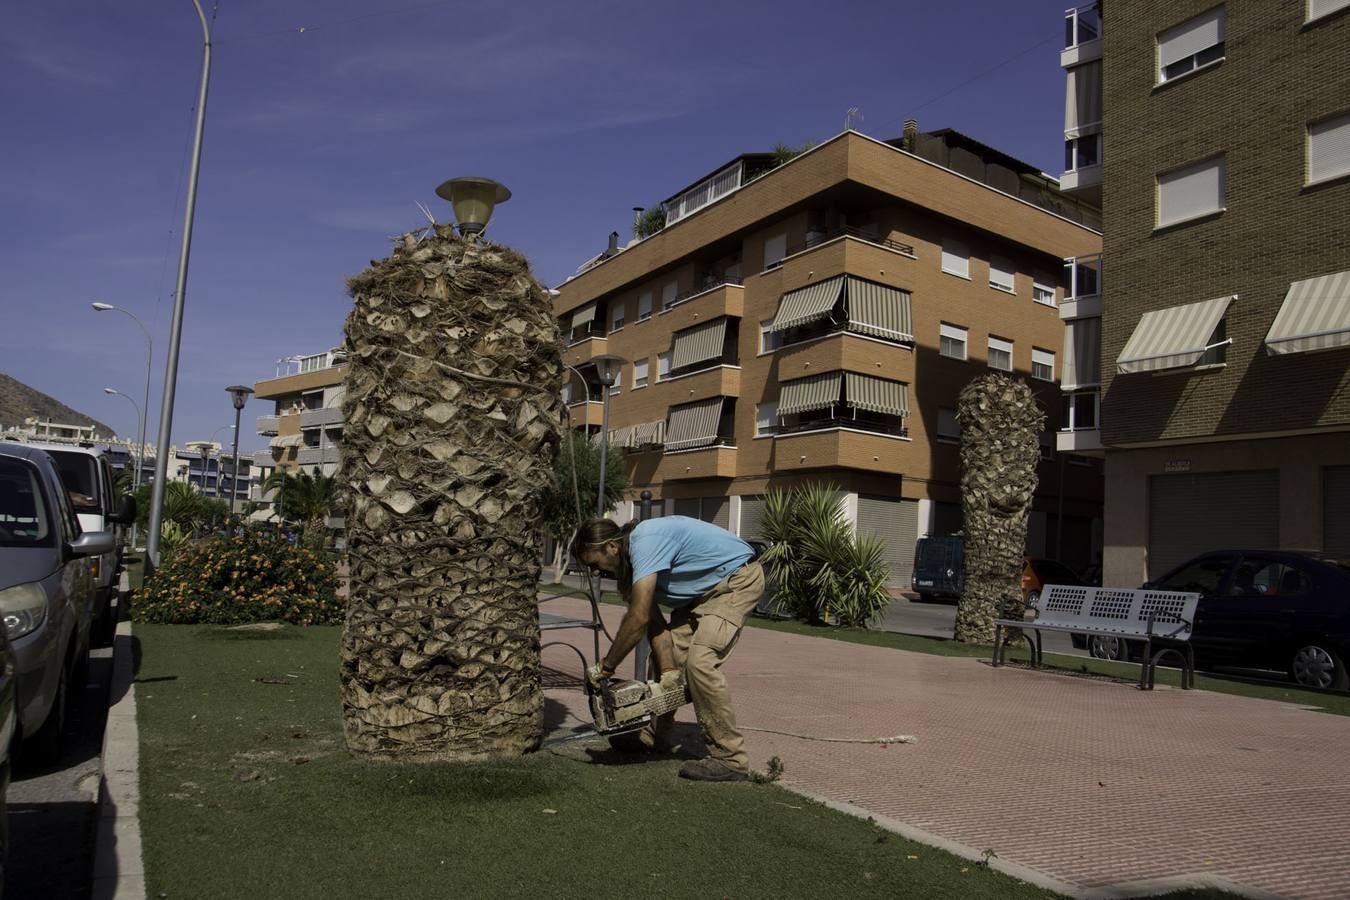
column 595, row 677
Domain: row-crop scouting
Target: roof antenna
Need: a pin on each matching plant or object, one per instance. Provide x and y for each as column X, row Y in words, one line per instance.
column 852, row 117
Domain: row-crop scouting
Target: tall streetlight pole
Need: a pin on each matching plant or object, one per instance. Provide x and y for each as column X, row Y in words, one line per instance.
column 239, row 395
column 145, row 405
column 140, row 422
column 176, row 327
column 608, row 368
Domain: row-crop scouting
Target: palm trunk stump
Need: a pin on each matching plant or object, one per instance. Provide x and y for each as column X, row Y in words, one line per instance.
column 453, row 395
column 1001, row 424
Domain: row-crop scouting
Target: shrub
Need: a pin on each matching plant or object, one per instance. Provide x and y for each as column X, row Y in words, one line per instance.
column 255, row 576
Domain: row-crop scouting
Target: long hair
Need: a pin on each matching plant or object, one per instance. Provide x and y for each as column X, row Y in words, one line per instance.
column 595, row 533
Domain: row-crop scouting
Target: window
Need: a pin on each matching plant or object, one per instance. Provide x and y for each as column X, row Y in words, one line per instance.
column 639, row 374
column 1082, row 152
column 949, row 427
column 775, row 248
column 1202, row 577
column 952, row 341
column 1258, row 577
column 668, row 293
column 1190, row 45
column 1042, row 364
column 1079, row 411
column 1329, row 148
column 1191, row 192
column 1000, row 354
column 1001, row 274
column 955, row 258
column 663, row 365
column 644, row 306
column 616, row 317
column 1082, row 276
column 1047, row 442
column 1319, row 8
column 766, row 418
column 769, row 340
column 1043, row 293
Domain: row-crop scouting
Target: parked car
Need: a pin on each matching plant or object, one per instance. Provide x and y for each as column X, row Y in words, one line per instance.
column 1037, row 573
column 46, row 591
column 8, row 729
column 87, row 475
column 939, row 567
column 1267, row 609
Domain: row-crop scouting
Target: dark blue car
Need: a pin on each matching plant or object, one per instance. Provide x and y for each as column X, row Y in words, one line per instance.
column 1270, row 609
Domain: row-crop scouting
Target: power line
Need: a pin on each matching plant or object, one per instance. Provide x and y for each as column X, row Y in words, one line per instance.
column 989, row 71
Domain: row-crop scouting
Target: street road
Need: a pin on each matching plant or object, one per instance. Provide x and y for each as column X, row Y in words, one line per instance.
column 53, row 807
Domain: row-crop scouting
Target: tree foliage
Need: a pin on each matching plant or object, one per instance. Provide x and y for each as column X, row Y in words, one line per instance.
column 581, row 454
column 301, row 497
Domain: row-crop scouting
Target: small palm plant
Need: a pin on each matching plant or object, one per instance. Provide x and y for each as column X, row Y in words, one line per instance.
column 822, row 571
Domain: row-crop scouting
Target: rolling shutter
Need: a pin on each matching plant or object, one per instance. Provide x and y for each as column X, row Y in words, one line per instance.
column 717, row 510
column 687, row 506
column 1195, row 513
column 895, row 523
column 752, row 517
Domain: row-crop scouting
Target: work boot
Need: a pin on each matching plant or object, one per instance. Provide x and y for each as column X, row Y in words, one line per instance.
column 642, row 741
column 710, row 770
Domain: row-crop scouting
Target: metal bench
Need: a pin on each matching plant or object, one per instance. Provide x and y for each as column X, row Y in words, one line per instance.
column 1161, row 620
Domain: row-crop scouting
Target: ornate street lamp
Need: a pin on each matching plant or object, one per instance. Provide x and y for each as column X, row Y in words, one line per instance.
column 473, row 200
column 239, row 395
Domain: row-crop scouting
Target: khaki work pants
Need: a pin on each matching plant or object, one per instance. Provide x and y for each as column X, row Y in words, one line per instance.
column 704, row 634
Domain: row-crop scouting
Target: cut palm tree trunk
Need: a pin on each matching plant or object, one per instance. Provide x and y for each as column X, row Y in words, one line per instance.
column 453, row 399
column 1001, row 424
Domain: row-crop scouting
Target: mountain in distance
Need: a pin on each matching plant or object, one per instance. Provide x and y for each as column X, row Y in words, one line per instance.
column 18, row 401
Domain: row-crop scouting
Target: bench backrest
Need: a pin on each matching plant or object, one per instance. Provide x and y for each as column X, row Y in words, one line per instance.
column 1118, row 610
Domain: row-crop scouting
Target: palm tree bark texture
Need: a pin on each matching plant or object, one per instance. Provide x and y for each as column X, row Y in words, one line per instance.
column 453, row 399
column 1001, row 424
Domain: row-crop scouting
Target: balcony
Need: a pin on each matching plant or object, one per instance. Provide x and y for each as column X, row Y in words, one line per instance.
column 1080, row 179
column 258, row 495
column 1081, row 432
column 320, row 418
column 847, row 352
column 1082, row 35
column 716, row 380
column 1082, row 287
column 825, row 255
column 705, row 462
column 586, row 413
column 725, row 298
column 582, row 351
column 264, row 459
column 267, row 425
column 838, row 448
column 317, row 456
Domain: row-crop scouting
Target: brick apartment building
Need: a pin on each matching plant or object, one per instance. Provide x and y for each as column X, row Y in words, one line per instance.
column 816, row 321
column 1222, row 314
column 305, row 428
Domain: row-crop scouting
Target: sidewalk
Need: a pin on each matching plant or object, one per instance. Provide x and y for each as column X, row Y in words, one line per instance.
column 1089, row 786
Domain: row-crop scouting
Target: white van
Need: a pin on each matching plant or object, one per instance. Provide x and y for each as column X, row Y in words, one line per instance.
column 87, row 476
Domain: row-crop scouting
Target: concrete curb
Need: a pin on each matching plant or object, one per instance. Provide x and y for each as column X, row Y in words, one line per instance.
column 1125, row 889
column 118, row 870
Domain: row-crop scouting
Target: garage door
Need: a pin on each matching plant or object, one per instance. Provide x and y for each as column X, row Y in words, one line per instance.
column 717, row 510
column 894, row 523
column 687, row 506
column 1191, row 514
column 1336, row 511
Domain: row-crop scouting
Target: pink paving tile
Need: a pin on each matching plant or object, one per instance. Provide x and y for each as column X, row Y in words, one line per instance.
column 1088, row 781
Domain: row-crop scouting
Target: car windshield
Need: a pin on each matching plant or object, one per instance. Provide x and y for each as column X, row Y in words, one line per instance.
column 80, row 476
column 23, row 516
column 1052, row 572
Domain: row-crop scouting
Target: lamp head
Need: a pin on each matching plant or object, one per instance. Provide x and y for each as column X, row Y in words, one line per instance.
column 102, row 307
column 473, row 200
column 109, row 391
column 239, row 394
column 608, row 368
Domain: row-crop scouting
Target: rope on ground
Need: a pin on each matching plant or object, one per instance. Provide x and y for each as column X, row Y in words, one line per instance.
column 894, row 739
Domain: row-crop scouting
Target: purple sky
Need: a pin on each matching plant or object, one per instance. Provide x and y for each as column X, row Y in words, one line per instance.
column 319, row 142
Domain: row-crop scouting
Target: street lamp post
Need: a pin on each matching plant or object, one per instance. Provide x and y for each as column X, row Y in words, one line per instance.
column 176, row 325
column 144, row 410
column 239, row 395
column 205, row 450
column 608, row 368
column 140, row 456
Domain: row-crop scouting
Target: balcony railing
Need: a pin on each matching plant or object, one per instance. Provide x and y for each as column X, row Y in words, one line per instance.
column 267, row 425
column 710, row 284
column 816, row 238
column 314, row 456
column 264, row 459
column 1082, row 24
column 318, row 418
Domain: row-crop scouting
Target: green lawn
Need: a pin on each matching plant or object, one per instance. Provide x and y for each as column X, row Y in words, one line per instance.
column 1325, row 701
column 247, row 791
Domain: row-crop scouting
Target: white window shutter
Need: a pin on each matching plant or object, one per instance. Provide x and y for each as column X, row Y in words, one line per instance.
column 1329, row 148
column 1190, row 37
column 1191, row 191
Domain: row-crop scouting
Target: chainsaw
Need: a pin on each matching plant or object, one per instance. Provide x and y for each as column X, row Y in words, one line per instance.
column 619, row 706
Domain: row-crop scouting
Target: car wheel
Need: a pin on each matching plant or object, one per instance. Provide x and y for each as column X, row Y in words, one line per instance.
column 46, row 742
column 1108, row 648
column 1033, row 599
column 1318, row 666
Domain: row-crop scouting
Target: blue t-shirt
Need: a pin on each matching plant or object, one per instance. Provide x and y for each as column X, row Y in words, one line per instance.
column 690, row 557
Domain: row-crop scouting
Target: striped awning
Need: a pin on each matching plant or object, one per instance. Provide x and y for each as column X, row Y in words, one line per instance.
column 805, row 394
column 1082, row 354
column 808, row 304
column 698, row 344
column 879, row 395
column 879, row 310
column 693, row 424
column 583, row 316
column 1172, row 338
column 621, row 437
column 1315, row 315
column 649, row 434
